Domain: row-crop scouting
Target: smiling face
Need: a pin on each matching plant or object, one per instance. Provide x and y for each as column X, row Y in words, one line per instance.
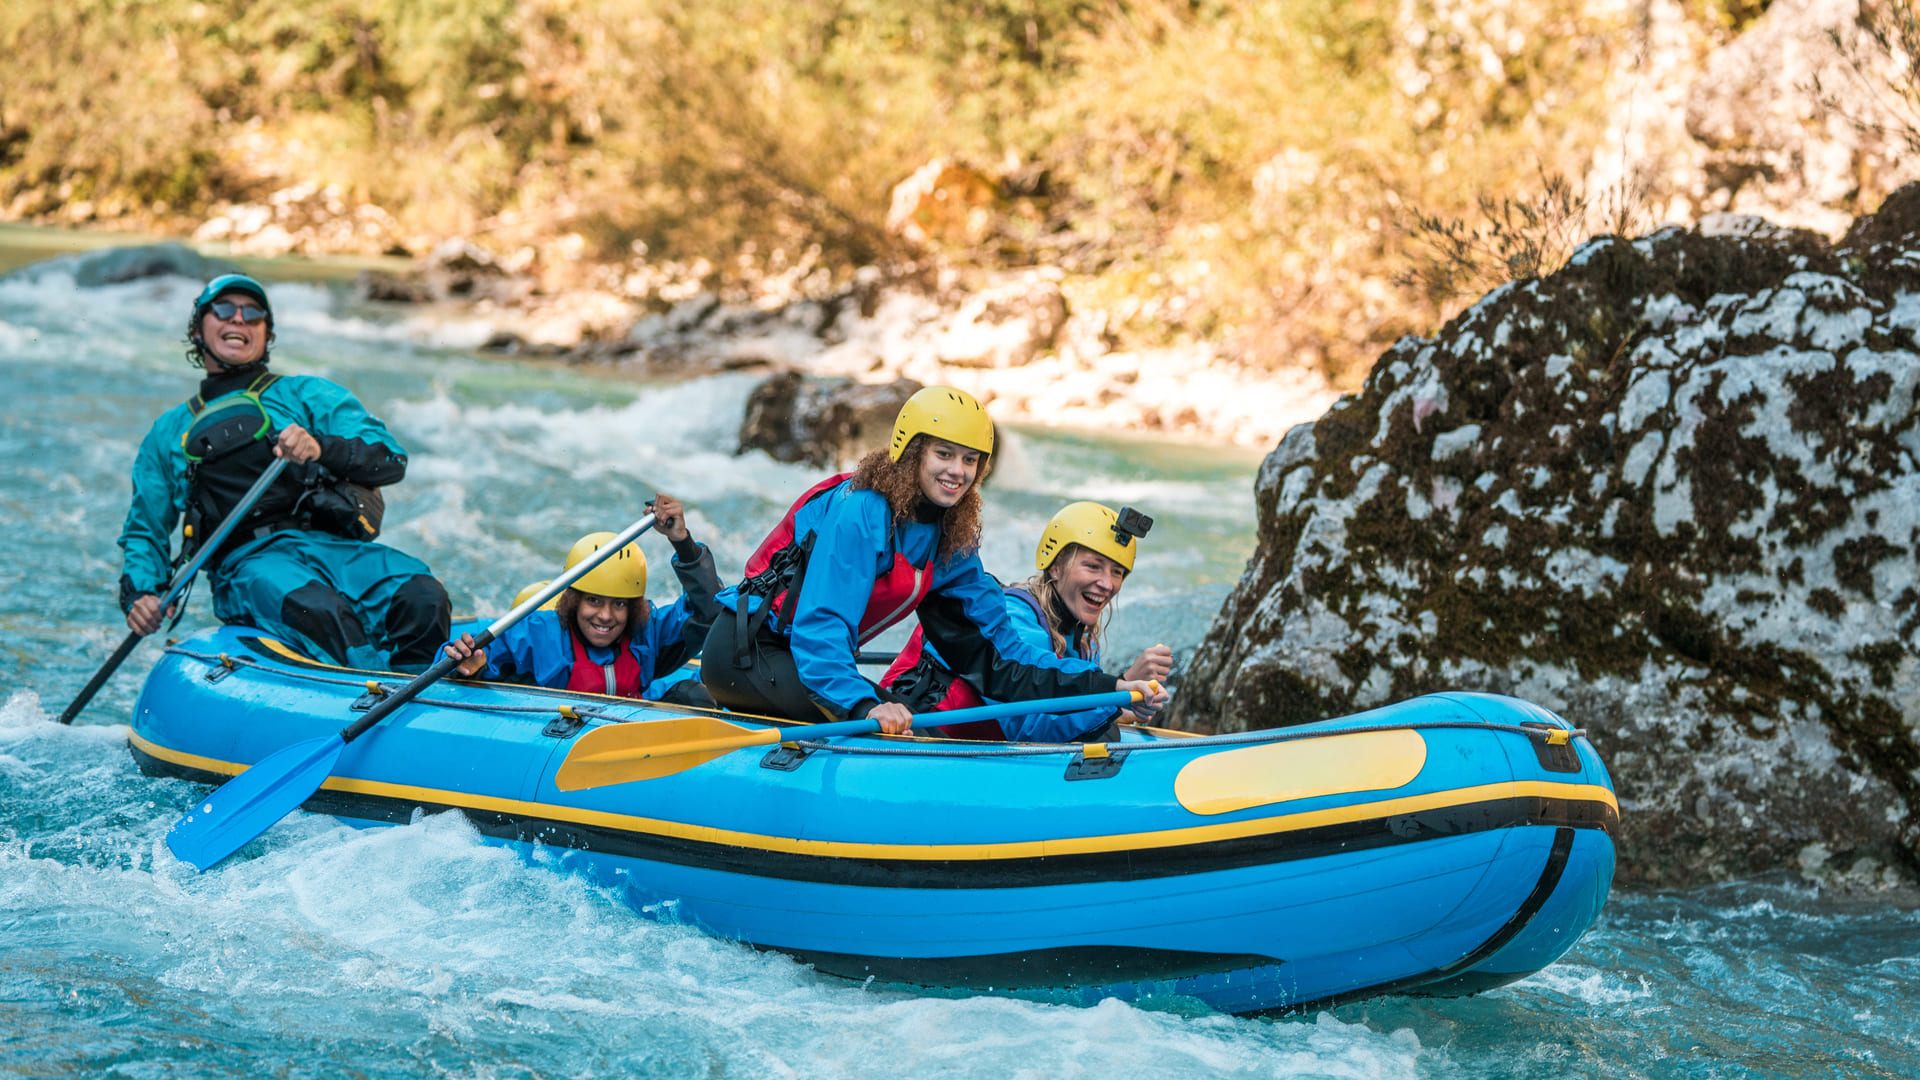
column 232, row 342
column 1086, row 581
column 601, row 619
column 947, row 471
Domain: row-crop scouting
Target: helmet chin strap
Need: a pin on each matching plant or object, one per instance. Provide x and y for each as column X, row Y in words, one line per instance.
column 200, row 346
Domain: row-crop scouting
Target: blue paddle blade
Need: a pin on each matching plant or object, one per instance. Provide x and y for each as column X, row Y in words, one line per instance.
column 247, row 805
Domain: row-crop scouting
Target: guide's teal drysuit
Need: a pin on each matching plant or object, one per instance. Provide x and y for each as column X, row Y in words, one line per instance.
column 354, row 601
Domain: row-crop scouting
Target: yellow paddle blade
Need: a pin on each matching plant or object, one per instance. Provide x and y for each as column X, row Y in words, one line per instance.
column 648, row 749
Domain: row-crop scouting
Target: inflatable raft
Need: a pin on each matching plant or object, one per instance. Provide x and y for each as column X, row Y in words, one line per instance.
column 1445, row 844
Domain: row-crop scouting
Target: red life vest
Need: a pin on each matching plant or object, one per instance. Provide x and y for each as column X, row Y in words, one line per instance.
column 779, row 564
column 960, row 693
column 622, row 678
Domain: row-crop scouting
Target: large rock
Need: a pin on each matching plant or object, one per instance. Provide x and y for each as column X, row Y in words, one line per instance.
column 309, row 217
column 1792, row 115
column 456, row 269
column 112, row 266
column 115, row 265
column 822, row 422
column 1786, row 120
column 1671, row 492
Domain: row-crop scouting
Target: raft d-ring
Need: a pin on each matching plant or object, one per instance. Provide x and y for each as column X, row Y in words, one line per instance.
column 1553, row 745
column 785, row 757
column 568, row 722
column 372, row 697
column 1095, row 762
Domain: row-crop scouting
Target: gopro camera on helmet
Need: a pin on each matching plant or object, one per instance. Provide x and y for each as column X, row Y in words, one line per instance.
column 1129, row 524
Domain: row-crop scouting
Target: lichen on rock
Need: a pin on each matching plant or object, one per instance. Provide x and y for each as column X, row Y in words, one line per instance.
column 1671, row 491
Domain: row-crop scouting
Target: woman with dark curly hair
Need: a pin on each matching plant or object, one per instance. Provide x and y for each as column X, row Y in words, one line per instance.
column 858, row 553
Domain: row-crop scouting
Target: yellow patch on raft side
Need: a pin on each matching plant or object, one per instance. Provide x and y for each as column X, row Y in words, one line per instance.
column 1300, row 769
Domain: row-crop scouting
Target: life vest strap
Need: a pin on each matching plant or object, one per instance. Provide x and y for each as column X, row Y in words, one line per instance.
column 258, row 386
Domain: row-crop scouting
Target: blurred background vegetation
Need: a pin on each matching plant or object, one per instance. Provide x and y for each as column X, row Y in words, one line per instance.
column 1240, row 172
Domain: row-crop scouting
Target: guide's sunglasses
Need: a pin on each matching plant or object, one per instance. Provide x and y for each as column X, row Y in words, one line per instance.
column 223, row 309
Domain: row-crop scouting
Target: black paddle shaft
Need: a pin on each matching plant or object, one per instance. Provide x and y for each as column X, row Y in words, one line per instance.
column 178, row 585
column 100, row 677
column 386, row 705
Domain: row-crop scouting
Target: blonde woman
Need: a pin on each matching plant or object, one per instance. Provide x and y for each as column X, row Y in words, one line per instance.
column 1084, row 557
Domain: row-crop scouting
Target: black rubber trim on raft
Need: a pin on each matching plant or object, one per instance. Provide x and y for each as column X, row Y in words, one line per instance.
column 1042, row 969
column 1457, row 979
column 1137, row 864
column 1054, row 969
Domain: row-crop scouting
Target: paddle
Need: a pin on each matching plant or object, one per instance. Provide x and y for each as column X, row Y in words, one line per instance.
column 277, row 784
column 649, row 749
column 177, row 586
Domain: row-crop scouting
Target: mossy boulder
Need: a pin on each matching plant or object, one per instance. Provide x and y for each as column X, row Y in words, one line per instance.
column 1671, row 491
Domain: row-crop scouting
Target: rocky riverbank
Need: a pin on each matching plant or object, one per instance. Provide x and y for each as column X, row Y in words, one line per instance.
column 1017, row 343
column 1671, row 491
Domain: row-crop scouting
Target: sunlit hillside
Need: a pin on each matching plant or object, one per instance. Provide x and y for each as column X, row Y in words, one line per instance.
column 1244, row 172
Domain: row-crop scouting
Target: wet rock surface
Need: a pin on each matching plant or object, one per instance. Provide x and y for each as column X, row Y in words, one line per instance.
column 113, row 266
column 1671, row 492
column 455, row 270
column 825, row 423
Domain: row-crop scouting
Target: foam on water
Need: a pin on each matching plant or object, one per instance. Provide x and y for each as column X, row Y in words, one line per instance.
column 320, row 942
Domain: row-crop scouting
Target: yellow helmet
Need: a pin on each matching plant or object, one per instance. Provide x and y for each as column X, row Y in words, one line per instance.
column 944, row 413
column 1096, row 528
column 526, row 594
column 623, row 576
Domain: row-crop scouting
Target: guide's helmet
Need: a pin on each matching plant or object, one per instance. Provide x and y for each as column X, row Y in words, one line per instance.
column 528, row 592
column 216, row 288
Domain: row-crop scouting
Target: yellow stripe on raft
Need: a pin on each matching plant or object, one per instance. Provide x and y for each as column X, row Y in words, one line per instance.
column 1026, row 849
column 1300, row 769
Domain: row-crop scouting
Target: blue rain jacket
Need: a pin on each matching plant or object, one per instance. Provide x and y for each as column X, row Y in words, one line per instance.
column 1042, row 727
column 963, row 611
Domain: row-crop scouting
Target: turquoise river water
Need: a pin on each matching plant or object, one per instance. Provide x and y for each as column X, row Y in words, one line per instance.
column 421, row 952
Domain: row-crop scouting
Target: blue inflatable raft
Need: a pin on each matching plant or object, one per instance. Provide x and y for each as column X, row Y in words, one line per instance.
column 1446, row 844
